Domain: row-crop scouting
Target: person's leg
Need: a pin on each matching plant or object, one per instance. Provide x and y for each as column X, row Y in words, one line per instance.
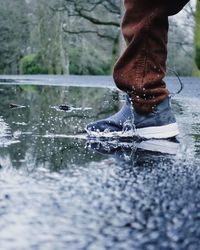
column 140, row 72
column 141, row 68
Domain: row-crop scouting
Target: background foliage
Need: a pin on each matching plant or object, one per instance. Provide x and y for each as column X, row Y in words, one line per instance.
column 82, row 37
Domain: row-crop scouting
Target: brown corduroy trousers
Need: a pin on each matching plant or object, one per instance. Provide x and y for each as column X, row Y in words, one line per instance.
column 142, row 67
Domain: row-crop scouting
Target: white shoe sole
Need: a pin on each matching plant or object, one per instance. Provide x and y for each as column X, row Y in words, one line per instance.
column 161, row 132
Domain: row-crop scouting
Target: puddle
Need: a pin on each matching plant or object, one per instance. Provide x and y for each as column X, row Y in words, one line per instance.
column 61, row 191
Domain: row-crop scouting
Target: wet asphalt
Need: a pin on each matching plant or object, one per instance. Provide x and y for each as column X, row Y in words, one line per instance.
column 60, row 190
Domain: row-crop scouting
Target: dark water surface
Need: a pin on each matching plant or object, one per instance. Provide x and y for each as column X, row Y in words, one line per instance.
column 60, row 191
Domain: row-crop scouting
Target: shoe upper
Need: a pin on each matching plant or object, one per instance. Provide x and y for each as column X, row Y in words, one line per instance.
column 127, row 117
column 162, row 115
column 115, row 122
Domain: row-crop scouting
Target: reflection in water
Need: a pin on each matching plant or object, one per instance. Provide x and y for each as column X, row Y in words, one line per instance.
column 111, row 146
column 144, row 154
column 40, row 128
column 60, row 191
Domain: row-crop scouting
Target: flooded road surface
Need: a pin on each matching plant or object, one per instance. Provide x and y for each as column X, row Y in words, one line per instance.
column 62, row 191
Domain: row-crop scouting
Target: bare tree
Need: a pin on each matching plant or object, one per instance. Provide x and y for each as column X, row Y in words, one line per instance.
column 14, row 34
column 181, row 41
column 84, row 20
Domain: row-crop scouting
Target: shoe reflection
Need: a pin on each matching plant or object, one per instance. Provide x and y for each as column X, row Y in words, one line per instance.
column 131, row 150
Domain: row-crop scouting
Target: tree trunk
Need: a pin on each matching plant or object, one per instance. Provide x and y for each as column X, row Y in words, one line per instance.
column 63, row 55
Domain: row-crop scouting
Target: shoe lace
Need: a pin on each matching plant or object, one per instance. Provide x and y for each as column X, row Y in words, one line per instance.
column 172, row 94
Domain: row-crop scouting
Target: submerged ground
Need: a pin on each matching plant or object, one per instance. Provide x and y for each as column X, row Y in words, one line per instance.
column 59, row 190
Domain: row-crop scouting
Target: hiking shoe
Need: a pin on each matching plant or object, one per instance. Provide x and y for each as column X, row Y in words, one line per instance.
column 159, row 124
